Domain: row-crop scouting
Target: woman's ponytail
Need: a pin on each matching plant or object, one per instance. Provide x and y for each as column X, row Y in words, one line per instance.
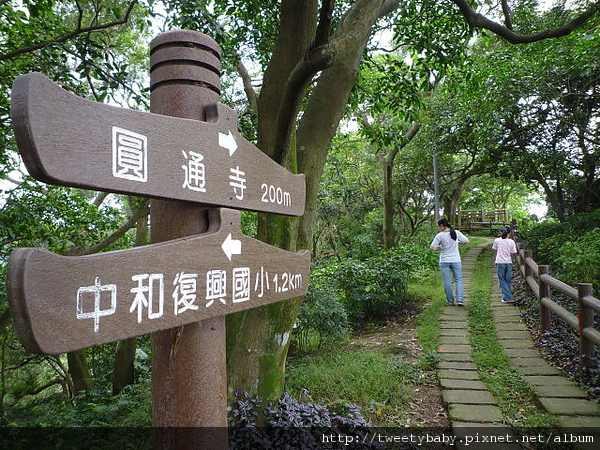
column 453, row 233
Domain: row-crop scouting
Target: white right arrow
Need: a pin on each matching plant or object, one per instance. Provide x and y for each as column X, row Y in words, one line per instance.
column 228, row 141
column 231, row 247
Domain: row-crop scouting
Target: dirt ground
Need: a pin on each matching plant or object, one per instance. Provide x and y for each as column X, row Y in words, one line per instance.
column 398, row 337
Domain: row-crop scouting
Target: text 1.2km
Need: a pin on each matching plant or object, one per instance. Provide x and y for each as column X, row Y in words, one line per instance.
column 287, row 282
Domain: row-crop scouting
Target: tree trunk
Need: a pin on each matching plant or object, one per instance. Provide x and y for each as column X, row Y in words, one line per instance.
column 387, row 166
column 327, row 104
column 123, row 370
column 258, row 339
column 79, row 371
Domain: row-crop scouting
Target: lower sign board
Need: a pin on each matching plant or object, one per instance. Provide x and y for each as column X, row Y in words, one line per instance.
column 60, row 303
column 68, row 140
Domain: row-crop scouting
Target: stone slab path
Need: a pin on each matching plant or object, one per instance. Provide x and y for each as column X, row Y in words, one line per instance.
column 476, row 419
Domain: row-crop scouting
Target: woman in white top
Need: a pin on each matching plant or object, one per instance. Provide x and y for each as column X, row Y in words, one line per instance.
column 505, row 247
column 447, row 241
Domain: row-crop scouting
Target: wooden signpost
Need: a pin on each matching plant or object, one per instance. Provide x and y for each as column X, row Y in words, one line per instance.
column 71, row 141
column 121, row 294
column 199, row 266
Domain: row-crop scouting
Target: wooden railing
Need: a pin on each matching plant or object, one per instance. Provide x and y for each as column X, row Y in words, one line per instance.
column 539, row 282
column 482, row 219
column 466, row 216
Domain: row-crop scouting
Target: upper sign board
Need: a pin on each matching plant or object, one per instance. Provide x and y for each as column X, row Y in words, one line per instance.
column 71, row 141
column 60, row 303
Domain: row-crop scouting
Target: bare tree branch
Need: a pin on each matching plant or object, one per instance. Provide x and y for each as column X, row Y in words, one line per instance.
column 477, row 20
column 100, row 197
column 137, row 215
column 507, row 14
column 248, row 88
column 71, row 35
column 325, row 22
column 318, row 59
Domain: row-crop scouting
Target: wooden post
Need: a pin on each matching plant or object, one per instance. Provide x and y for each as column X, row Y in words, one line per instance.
column 189, row 381
column 586, row 319
column 527, row 254
column 544, row 293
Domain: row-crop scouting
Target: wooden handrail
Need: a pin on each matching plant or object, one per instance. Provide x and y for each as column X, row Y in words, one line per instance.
column 538, row 281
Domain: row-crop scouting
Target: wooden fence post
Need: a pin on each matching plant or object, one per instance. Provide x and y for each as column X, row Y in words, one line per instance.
column 544, row 292
column 514, row 228
column 586, row 319
column 527, row 254
column 520, row 260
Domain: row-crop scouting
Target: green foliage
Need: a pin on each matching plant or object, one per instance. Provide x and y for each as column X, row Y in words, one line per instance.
column 434, row 31
column 418, row 254
column 571, row 248
column 349, row 220
column 374, row 381
column 376, row 287
column 545, row 238
column 58, row 219
column 580, row 260
column 345, row 294
column 321, row 315
column 131, row 408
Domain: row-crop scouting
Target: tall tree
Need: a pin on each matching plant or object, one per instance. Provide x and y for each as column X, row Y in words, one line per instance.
column 313, row 67
column 534, row 111
column 90, row 48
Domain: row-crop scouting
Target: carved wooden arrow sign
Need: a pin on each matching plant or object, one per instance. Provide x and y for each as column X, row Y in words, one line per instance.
column 71, row 141
column 60, row 304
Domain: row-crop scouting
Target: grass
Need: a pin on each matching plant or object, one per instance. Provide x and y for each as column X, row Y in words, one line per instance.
column 374, row 380
column 515, row 398
column 379, row 380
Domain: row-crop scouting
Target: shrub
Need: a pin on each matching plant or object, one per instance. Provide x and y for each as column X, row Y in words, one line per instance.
column 375, row 288
column 546, row 239
column 321, row 315
column 580, row 260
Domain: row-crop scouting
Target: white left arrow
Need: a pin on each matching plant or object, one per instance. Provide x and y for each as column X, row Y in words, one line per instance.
column 228, row 141
column 231, row 247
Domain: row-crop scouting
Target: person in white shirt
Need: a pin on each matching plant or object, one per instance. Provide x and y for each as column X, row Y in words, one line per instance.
column 505, row 247
column 447, row 241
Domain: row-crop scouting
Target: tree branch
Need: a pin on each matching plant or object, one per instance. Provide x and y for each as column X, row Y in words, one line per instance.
column 316, row 60
column 408, row 136
column 507, row 14
column 100, row 197
column 388, row 6
column 324, row 28
column 67, row 36
column 248, row 88
column 476, row 20
column 319, row 57
column 137, row 215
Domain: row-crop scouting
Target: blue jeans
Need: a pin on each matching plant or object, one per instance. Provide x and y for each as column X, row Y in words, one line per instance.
column 504, row 272
column 454, row 270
